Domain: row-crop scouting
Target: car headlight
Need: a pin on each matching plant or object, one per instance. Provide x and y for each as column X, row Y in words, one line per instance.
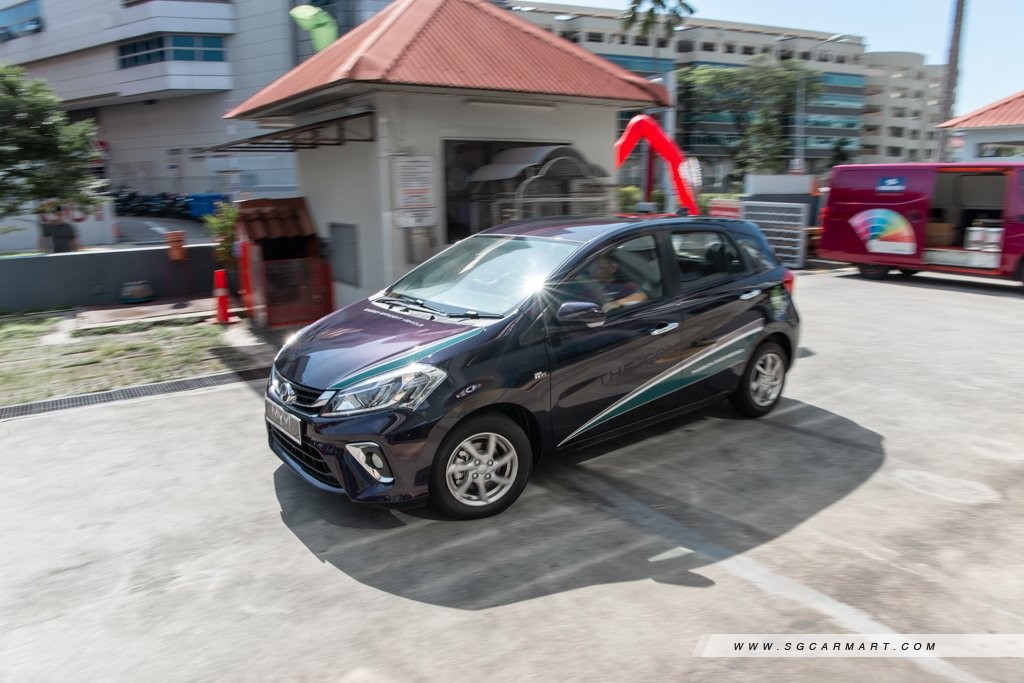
column 403, row 388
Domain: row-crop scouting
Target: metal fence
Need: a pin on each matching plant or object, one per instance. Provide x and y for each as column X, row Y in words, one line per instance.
column 784, row 225
column 221, row 183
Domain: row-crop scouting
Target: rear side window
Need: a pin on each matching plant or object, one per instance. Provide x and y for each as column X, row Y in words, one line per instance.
column 758, row 254
column 705, row 259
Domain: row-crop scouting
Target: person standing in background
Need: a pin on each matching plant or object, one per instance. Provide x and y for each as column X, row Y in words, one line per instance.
column 58, row 236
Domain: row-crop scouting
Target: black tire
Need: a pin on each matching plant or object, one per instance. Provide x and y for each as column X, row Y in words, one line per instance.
column 873, row 271
column 749, row 401
column 509, row 438
column 908, row 272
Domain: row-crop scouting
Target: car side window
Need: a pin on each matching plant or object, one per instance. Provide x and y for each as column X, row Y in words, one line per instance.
column 619, row 278
column 705, row 258
column 758, row 254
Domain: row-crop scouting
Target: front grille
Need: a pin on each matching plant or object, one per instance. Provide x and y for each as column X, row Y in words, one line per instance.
column 305, row 397
column 307, row 457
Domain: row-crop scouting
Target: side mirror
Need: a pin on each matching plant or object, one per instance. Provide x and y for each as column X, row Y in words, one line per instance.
column 580, row 312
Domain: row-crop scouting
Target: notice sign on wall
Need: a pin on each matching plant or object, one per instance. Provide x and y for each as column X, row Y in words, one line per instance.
column 413, row 182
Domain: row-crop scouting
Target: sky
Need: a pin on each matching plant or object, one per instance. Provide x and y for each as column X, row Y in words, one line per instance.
column 990, row 67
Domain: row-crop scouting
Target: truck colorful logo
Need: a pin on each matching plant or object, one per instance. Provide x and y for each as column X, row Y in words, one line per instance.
column 884, row 232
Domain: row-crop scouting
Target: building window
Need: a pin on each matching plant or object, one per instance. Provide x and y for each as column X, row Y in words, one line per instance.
column 623, row 39
column 893, row 151
column 730, row 48
column 595, row 37
column 181, row 48
column 806, row 56
column 707, row 47
column 895, row 132
column 684, row 46
column 786, row 54
column 20, row 20
column 840, row 59
column 748, row 49
column 641, row 40
column 662, row 42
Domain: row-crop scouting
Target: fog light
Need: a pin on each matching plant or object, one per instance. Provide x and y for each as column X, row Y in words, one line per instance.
column 371, row 459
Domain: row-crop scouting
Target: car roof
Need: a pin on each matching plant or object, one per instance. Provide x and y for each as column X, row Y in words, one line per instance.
column 586, row 230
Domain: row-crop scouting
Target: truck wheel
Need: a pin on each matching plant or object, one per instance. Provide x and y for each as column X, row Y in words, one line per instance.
column 908, row 272
column 872, row 271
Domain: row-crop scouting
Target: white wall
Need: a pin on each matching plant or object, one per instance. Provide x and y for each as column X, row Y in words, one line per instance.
column 96, row 228
column 352, row 183
column 975, row 137
column 418, row 124
column 340, row 185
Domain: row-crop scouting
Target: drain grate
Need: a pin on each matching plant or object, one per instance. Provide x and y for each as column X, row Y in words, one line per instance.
column 175, row 386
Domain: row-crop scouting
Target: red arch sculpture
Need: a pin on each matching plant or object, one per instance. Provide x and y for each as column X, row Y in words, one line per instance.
column 643, row 127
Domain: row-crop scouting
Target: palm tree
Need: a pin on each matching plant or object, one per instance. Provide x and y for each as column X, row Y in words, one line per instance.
column 952, row 74
column 668, row 13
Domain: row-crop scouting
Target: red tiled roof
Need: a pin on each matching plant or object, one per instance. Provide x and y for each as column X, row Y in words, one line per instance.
column 1008, row 111
column 469, row 44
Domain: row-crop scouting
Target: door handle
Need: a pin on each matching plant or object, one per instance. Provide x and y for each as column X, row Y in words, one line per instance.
column 662, row 329
column 750, row 295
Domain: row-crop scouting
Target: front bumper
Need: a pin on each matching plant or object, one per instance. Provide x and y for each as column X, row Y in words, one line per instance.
column 326, row 457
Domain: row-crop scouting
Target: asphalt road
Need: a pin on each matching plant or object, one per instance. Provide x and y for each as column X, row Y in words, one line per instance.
column 151, row 230
column 159, row 539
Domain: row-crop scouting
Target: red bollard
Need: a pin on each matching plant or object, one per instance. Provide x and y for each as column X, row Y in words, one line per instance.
column 220, row 290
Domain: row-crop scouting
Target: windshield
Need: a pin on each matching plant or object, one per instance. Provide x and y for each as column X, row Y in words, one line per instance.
column 484, row 274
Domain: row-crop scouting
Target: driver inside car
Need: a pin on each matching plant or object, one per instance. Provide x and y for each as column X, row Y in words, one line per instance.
column 617, row 291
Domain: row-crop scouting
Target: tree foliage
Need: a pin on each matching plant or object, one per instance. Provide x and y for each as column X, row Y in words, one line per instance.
column 43, row 157
column 649, row 14
column 758, row 99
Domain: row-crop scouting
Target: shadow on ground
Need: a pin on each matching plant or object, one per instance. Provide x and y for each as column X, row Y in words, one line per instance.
column 994, row 287
column 659, row 504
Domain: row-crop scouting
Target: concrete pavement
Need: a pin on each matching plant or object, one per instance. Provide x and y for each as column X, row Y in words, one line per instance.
column 160, row 539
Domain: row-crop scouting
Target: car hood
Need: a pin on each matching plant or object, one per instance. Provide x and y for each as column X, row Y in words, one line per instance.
column 363, row 340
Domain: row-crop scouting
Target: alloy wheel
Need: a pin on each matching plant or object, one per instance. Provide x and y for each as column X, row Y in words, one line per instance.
column 482, row 469
column 766, row 379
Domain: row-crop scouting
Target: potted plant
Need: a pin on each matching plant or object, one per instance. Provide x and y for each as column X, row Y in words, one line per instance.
column 221, row 224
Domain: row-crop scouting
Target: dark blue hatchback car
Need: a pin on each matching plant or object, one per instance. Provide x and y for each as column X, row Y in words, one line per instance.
column 525, row 339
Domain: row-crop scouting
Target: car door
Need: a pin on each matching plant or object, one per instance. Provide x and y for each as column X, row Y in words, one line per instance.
column 720, row 301
column 607, row 377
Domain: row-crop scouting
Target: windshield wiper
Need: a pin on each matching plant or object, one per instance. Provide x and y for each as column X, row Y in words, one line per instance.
column 408, row 302
column 475, row 314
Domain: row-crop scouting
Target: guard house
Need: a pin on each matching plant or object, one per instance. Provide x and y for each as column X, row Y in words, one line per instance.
column 436, row 119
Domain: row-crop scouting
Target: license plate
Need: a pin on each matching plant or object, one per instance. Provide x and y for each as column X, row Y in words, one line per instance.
column 283, row 421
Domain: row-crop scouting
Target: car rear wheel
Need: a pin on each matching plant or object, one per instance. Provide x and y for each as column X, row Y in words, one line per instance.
column 873, row 271
column 761, row 385
column 481, row 467
column 908, row 272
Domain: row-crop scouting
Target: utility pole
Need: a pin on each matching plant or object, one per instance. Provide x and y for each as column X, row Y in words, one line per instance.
column 952, row 74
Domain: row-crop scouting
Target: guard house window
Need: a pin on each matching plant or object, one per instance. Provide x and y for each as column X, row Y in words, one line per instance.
column 20, row 20
column 180, row 48
column 595, row 37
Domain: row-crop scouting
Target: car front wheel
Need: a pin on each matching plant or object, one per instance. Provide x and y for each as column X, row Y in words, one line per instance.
column 761, row 386
column 481, row 467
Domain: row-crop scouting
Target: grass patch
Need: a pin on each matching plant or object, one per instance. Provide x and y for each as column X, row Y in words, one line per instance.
column 19, row 329
column 103, row 358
